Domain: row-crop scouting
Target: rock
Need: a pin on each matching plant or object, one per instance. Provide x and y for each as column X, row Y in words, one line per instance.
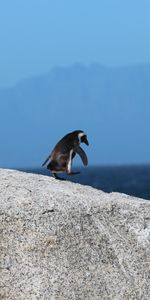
column 65, row 241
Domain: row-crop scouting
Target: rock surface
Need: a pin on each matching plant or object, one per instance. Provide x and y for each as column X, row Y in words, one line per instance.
column 64, row 241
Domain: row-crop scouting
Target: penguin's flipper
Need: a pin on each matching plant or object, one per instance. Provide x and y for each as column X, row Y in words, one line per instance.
column 82, row 155
column 73, row 173
column 73, row 155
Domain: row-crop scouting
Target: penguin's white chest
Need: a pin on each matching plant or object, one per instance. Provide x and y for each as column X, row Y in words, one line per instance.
column 70, row 162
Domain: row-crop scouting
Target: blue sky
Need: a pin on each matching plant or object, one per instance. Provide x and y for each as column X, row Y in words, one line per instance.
column 36, row 35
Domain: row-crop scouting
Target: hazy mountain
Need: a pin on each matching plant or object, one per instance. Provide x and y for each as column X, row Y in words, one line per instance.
column 111, row 104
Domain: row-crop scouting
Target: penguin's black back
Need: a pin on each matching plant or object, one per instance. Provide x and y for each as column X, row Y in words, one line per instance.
column 67, row 143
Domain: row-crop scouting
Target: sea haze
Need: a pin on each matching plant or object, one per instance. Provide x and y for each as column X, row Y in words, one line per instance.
column 111, row 104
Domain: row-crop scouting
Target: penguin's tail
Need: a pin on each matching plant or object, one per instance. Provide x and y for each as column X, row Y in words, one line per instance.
column 47, row 159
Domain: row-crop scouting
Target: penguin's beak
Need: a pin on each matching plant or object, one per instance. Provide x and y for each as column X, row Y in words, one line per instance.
column 86, row 141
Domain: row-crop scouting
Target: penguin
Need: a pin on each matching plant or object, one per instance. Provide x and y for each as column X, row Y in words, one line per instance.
column 65, row 150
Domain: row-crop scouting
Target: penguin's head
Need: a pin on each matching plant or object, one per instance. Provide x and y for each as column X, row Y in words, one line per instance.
column 83, row 138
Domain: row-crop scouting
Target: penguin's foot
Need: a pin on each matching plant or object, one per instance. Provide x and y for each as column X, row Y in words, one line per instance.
column 57, row 177
column 73, row 173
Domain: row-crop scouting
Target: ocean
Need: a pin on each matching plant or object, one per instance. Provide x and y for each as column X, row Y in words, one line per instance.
column 131, row 180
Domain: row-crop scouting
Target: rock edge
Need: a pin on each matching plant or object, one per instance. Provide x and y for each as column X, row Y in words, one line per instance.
column 61, row 240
